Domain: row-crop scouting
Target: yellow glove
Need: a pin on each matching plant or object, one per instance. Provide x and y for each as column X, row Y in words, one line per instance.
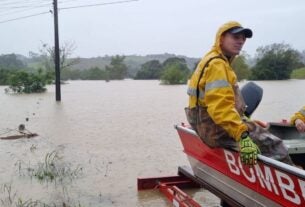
column 248, row 151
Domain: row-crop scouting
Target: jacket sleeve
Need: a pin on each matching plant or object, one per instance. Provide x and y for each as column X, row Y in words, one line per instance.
column 298, row 115
column 220, row 99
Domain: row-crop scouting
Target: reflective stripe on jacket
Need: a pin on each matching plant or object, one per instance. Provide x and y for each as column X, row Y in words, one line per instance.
column 216, row 89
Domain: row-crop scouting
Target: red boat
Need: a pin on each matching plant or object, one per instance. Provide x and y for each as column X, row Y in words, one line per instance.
column 270, row 183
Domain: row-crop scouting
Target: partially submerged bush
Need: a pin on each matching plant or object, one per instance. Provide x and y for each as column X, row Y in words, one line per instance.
column 24, row 82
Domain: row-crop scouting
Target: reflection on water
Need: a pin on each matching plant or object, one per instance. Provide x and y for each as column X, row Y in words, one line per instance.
column 116, row 131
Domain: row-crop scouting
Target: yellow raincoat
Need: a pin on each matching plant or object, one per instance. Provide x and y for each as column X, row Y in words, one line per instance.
column 216, row 88
column 298, row 115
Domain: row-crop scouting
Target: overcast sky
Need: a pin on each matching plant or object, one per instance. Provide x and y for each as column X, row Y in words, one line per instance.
column 182, row 27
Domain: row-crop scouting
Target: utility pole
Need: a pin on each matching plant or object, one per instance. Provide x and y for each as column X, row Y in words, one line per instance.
column 57, row 56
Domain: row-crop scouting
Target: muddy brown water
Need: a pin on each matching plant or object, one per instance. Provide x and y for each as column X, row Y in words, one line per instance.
column 115, row 132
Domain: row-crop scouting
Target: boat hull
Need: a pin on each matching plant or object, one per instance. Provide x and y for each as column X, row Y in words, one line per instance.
column 269, row 183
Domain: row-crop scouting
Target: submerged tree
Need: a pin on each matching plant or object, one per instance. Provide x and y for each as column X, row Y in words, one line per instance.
column 24, row 82
column 47, row 55
column 241, row 68
column 94, row 73
column 117, row 70
column 149, row 70
column 276, row 62
column 175, row 71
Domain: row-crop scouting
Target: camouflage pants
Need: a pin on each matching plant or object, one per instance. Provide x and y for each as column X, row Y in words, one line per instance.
column 215, row 136
column 269, row 144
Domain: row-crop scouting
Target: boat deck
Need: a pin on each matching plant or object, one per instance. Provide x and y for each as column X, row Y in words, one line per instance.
column 294, row 140
column 295, row 146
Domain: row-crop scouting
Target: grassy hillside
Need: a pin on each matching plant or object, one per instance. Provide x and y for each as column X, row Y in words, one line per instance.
column 298, row 73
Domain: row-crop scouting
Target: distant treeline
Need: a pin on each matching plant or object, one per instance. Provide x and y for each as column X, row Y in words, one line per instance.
column 172, row 71
column 271, row 62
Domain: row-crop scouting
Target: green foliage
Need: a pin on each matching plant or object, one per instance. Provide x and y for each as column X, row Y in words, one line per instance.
column 133, row 62
column 275, row 62
column 68, row 74
column 172, row 75
column 9, row 64
column 117, row 70
column 46, row 59
column 4, row 76
column 241, row 68
column 149, row 70
column 94, row 74
column 195, row 65
column 24, row 82
column 79, row 68
column 175, row 71
column 52, row 169
column 11, row 61
column 298, row 73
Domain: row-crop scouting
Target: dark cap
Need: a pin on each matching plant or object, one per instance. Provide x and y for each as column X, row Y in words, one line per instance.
column 237, row 30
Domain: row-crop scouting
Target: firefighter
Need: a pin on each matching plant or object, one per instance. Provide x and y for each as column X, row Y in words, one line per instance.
column 216, row 107
column 298, row 120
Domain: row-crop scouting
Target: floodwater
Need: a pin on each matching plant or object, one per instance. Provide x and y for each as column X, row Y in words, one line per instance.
column 114, row 132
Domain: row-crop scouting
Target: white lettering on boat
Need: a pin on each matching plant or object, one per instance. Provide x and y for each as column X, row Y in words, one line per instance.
column 281, row 185
column 286, row 184
column 302, row 186
column 266, row 179
column 250, row 178
column 231, row 162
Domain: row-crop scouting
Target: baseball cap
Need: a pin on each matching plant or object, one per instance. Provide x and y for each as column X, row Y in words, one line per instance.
column 237, row 30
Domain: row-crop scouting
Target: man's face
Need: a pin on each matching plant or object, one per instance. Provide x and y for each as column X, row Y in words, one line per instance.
column 231, row 44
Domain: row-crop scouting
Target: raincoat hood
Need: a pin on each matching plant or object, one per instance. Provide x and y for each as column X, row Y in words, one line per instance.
column 225, row 27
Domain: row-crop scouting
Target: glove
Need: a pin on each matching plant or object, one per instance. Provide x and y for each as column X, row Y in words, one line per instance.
column 248, row 151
